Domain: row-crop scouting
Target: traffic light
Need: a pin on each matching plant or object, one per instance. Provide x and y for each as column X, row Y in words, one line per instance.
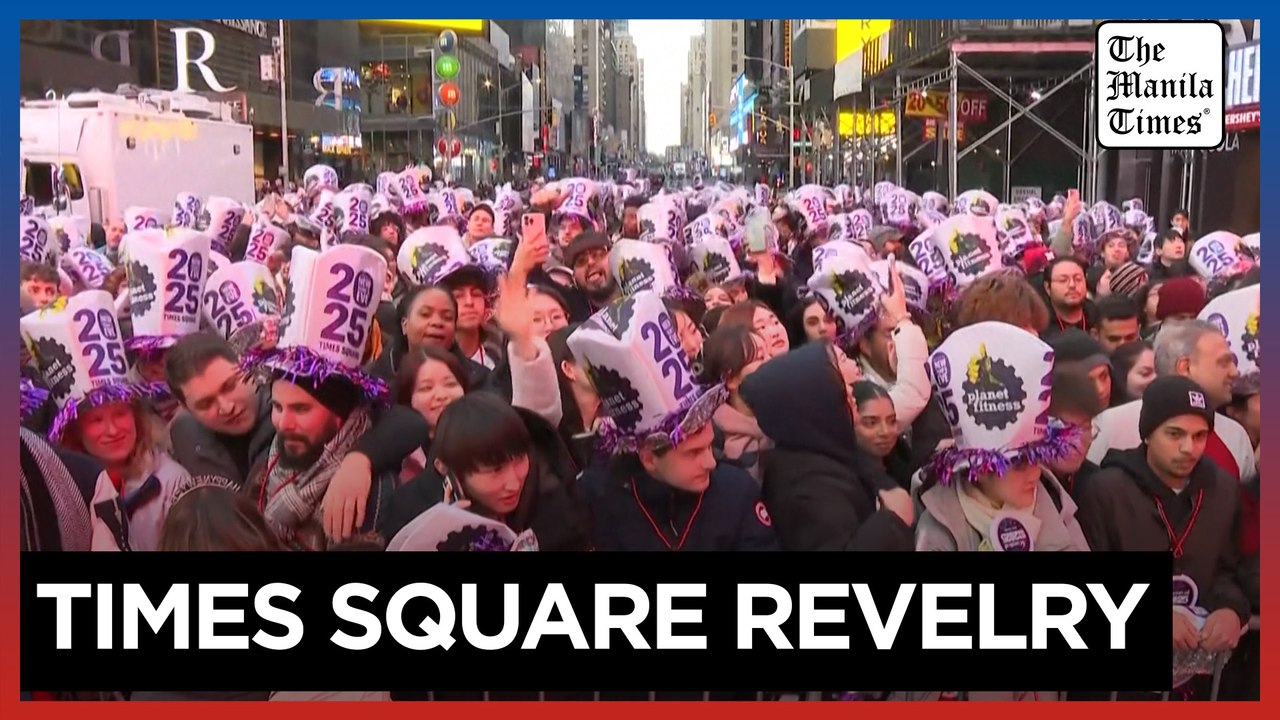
column 445, row 72
column 795, row 134
column 711, row 118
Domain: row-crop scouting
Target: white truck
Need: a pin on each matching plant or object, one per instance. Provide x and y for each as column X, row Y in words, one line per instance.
column 94, row 154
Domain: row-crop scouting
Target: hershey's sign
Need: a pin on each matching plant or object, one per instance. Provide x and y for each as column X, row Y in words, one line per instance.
column 1244, row 84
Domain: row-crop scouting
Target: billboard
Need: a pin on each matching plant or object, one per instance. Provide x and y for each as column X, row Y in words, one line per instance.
column 851, row 36
column 464, row 27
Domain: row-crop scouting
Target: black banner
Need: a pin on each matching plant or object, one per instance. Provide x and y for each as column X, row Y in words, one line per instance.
column 292, row 602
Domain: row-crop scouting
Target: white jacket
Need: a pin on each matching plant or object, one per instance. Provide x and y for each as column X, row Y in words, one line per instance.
column 1117, row 429
column 911, row 392
column 535, row 384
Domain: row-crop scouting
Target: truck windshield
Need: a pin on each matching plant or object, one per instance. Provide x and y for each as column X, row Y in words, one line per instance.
column 40, row 182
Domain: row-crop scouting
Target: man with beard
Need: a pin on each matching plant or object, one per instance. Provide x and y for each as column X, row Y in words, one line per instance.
column 1064, row 283
column 631, row 218
column 588, row 256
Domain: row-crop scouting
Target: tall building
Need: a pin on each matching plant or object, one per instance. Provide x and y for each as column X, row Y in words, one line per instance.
column 629, row 73
column 642, row 140
column 693, row 106
column 724, row 48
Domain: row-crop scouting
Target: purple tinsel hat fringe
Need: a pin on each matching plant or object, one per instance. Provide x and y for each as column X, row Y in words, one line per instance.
column 150, row 345
column 680, row 292
column 105, row 395
column 31, row 398
column 297, row 361
column 671, row 431
column 971, row 463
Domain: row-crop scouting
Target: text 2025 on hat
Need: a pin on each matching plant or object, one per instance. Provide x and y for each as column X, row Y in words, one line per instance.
column 77, row 345
column 994, row 381
column 167, row 272
column 632, row 355
column 327, row 318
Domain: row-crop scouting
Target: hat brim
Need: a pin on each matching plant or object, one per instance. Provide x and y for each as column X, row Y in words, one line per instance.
column 105, row 395
column 674, row 429
column 972, row 463
column 302, row 362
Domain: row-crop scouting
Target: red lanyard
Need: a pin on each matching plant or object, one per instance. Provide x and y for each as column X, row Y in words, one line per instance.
column 661, row 536
column 266, row 480
column 1176, row 541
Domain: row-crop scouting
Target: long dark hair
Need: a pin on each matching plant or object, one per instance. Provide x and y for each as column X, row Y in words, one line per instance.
column 215, row 518
column 483, row 430
column 1122, row 361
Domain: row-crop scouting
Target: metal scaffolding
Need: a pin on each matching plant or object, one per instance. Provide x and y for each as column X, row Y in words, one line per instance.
column 911, row 80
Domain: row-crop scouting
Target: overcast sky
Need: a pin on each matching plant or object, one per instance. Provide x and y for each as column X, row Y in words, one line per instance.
column 664, row 47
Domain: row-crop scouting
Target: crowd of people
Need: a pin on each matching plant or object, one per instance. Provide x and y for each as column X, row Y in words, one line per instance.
column 623, row 366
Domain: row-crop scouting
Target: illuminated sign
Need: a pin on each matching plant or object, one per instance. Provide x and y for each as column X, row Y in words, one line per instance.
column 460, row 26
column 851, row 35
column 973, row 106
column 860, row 124
column 1244, row 81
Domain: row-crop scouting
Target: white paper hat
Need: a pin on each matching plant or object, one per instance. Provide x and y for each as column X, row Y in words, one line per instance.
column 319, row 176
column 141, row 218
column 915, row 284
column 1238, row 315
column 638, row 266
column 811, row 203
column 26, row 204
column 493, row 255
column 382, row 185
column 659, row 221
column 327, row 318
column 1217, row 254
column 1133, row 204
column 580, row 199
column 900, row 208
column 239, row 296
column 224, row 216
column 447, row 204
column 839, row 227
column 351, row 209
column 77, row 344
column 994, row 381
column 408, row 193
column 632, row 355
column 431, row 254
column 187, row 210
column 89, row 267
column 322, row 209
column 975, row 202
column 927, row 217
column 880, row 191
column 264, row 239
column 713, row 256
column 846, row 286
column 167, row 272
column 1253, row 241
column 381, row 204
column 1083, row 233
column 448, row 528
column 706, row 224
column 217, row 261
column 1105, row 217
column 36, row 242
column 969, row 247
column 763, row 193
column 935, row 201
column 73, row 231
column 1013, row 231
column 928, row 257
column 860, row 223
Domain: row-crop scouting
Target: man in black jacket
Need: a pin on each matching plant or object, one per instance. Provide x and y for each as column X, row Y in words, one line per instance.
column 225, row 426
column 1162, row 496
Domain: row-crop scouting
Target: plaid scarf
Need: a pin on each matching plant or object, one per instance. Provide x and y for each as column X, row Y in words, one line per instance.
column 293, row 496
column 54, row 513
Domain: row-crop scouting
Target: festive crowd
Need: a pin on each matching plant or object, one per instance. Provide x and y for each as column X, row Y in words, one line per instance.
column 624, row 366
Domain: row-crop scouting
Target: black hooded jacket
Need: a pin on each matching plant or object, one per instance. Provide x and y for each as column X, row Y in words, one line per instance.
column 1119, row 513
column 819, row 486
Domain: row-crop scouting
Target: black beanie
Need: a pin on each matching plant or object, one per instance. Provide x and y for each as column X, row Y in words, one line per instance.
column 1168, row 397
column 337, row 394
column 1077, row 346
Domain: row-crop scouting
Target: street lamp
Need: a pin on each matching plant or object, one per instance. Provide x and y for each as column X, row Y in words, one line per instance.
column 791, row 107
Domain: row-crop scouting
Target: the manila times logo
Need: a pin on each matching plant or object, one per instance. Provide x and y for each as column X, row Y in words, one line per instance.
column 1160, row 84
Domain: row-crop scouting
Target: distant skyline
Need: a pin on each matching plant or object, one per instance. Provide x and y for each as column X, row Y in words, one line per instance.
column 664, row 47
